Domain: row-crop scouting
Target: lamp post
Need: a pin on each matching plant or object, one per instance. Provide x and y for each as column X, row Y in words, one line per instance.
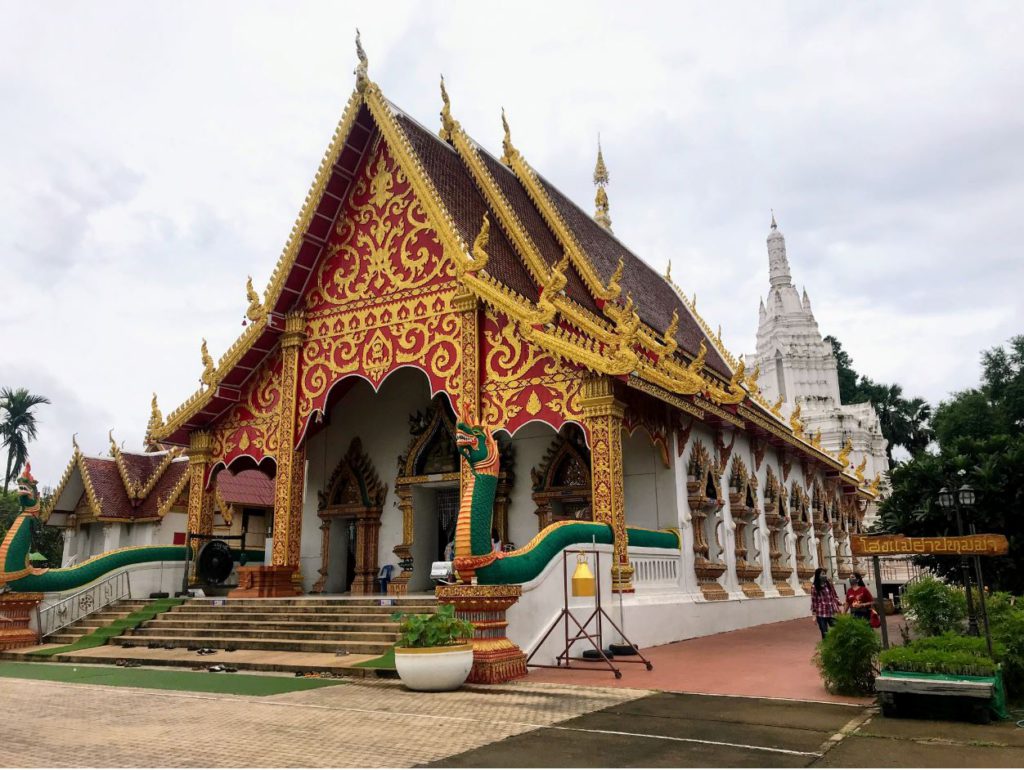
column 967, row 498
column 950, row 501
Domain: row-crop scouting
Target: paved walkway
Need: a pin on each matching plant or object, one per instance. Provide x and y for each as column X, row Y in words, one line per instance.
column 366, row 723
column 772, row 661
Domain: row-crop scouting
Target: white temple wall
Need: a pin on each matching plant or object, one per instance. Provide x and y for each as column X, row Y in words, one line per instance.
column 381, row 421
column 530, row 444
column 648, row 486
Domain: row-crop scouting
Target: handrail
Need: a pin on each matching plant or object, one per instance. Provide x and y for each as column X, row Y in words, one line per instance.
column 83, row 603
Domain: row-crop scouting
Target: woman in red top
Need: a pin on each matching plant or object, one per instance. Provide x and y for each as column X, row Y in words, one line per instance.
column 859, row 598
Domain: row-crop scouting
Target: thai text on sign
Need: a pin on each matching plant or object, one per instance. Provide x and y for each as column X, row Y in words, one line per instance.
column 892, row 545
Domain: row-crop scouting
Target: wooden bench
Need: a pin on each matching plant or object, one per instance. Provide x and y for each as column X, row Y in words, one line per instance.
column 977, row 693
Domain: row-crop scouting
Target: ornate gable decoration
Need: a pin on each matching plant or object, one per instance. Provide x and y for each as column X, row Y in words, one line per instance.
column 432, row 449
column 354, row 482
column 742, row 487
column 702, row 482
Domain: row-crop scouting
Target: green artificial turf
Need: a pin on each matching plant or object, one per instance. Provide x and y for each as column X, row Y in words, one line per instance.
column 105, row 633
column 387, row 660
column 190, row 681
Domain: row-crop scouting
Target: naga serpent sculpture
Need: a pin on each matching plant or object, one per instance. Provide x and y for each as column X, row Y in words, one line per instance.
column 17, row 574
column 474, row 556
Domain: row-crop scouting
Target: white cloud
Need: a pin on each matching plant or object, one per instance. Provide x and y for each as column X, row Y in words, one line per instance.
column 158, row 154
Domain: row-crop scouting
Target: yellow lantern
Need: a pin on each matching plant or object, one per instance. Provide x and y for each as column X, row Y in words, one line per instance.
column 583, row 583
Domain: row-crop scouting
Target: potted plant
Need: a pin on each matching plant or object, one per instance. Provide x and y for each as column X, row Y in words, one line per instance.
column 432, row 654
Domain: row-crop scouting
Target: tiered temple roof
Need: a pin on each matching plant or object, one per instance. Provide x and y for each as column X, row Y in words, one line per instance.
column 144, row 486
column 547, row 264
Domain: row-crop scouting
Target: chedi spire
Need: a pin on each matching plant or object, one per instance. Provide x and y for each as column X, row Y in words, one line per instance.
column 601, row 215
column 778, row 264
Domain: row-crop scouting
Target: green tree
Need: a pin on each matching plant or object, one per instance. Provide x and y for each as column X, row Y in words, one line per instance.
column 980, row 442
column 17, row 427
column 904, row 422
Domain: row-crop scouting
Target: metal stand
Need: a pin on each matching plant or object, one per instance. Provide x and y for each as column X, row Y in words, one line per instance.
column 596, row 617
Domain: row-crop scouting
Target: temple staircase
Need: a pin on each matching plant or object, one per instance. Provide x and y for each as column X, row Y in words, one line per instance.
column 116, row 611
column 338, row 626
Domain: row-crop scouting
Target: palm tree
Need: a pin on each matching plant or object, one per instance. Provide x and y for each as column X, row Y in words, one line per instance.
column 17, row 427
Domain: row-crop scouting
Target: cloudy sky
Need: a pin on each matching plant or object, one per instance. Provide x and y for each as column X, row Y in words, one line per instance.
column 154, row 154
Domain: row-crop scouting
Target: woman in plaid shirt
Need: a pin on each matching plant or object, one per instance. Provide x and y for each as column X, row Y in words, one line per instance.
column 824, row 602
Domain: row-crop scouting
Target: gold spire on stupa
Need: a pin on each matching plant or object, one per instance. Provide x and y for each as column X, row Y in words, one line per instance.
column 601, row 215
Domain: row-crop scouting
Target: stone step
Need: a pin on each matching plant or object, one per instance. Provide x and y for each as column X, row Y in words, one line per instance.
column 284, row 617
column 260, row 633
column 313, row 601
column 333, row 609
column 60, row 638
column 174, row 622
column 282, row 645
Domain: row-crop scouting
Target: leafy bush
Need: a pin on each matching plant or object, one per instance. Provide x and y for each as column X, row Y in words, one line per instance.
column 846, row 657
column 946, row 654
column 934, row 607
column 950, row 642
column 441, row 629
column 1009, row 633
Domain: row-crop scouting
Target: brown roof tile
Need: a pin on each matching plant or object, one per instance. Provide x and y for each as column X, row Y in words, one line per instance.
column 249, row 487
column 655, row 299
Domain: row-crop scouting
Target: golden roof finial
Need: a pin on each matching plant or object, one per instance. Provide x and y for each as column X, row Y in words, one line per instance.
column 614, row 288
column 670, row 334
column 697, row 363
column 816, row 440
column 719, row 334
column 113, row 444
column 795, row 423
column 74, row 442
column 362, row 68
column 480, row 255
column 876, row 482
column 207, row 376
column 693, row 302
column 737, row 376
column 777, row 406
column 446, row 115
column 668, row 271
column 601, row 208
column 859, row 470
column 844, row 453
column 156, row 419
column 255, row 310
column 507, row 150
column 752, row 385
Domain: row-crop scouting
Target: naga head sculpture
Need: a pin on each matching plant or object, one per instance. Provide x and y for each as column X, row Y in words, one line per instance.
column 476, row 444
column 28, row 489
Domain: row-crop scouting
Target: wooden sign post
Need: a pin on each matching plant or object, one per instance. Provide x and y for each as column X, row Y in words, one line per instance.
column 974, row 545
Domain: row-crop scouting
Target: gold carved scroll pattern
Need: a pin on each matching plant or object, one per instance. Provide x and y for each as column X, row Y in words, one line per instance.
column 522, row 382
column 251, row 426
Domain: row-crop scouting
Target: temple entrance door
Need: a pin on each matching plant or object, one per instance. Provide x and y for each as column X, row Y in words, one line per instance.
column 350, row 561
column 350, row 508
column 446, row 502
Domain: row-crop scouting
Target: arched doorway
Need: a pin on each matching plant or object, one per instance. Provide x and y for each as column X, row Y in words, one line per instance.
column 349, row 512
column 561, row 483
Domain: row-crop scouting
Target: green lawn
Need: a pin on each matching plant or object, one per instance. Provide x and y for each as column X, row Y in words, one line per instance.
column 191, row 681
column 387, row 660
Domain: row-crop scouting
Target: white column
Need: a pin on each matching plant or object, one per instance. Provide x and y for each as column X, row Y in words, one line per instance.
column 726, row 534
column 687, row 573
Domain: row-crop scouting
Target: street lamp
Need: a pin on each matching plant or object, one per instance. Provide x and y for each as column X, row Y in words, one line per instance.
column 952, row 503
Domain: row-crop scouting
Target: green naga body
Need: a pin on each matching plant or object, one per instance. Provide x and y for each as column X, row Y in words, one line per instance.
column 473, row 556
column 16, row 574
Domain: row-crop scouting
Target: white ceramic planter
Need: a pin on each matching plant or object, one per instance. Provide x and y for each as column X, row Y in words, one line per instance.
column 434, row 669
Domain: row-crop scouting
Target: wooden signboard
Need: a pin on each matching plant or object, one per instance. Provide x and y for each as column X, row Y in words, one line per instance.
column 895, row 545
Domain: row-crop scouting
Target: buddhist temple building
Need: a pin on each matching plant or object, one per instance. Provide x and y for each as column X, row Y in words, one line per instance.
column 429, row 281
